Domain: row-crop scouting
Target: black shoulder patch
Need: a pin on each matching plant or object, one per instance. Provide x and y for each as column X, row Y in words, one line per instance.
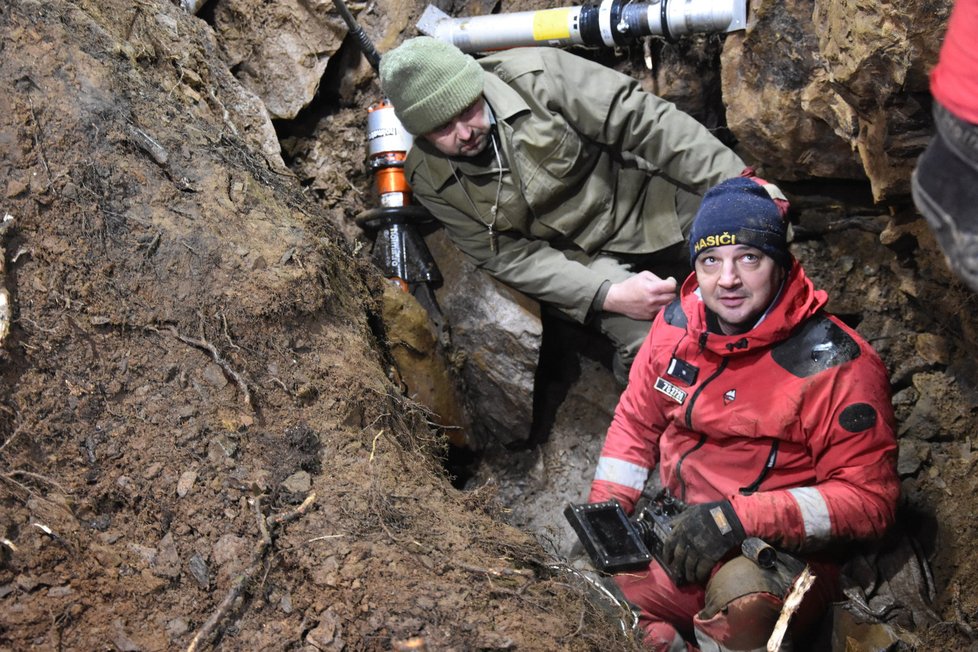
column 674, row 314
column 818, row 345
column 858, row 417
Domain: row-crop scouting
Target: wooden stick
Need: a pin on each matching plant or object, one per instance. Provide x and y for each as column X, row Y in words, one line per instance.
column 6, row 311
column 791, row 603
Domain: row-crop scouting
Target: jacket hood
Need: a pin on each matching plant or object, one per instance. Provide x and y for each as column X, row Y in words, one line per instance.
column 798, row 301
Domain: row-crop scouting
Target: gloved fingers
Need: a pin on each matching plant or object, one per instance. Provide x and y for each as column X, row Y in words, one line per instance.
column 702, row 571
column 669, row 547
column 690, row 567
column 690, row 563
column 674, row 553
column 696, row 566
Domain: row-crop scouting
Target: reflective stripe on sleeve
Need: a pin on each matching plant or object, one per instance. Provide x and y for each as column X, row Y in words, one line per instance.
column 621, row 472
column 814, row 512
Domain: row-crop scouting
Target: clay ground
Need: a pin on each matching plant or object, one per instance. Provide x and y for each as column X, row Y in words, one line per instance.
column 202, row 445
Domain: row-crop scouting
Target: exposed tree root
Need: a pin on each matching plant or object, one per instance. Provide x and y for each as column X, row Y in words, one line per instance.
column 243, row 581
column 792, row 601
column 960, row 621
column 219, row 360
column 5, row 309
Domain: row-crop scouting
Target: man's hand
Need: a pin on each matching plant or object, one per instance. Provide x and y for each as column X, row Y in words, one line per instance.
column 640, row 296
column 701, row 536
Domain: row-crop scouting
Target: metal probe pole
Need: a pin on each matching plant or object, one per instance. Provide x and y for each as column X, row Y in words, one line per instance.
column 399, row 249
column 610, row 23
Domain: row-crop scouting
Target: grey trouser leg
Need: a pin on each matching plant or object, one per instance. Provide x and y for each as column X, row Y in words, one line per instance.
column 625, row 334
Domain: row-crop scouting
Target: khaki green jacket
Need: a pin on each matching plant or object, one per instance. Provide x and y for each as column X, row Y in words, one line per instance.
column 592, row 163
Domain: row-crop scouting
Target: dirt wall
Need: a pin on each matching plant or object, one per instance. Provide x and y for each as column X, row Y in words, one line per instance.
column 200, row 442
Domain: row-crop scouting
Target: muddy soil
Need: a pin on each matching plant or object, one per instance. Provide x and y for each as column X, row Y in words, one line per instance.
column 200, row 441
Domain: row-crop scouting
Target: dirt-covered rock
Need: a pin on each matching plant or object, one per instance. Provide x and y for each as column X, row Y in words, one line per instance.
column 834, row 88
column 279, row 51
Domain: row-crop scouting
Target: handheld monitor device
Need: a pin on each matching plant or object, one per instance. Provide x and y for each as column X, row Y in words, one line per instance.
column 610, row 539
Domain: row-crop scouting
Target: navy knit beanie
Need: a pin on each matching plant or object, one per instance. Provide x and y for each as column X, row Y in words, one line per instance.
column 739, row 212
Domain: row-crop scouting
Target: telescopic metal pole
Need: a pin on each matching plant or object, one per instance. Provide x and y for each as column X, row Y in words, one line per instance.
column 611, row 23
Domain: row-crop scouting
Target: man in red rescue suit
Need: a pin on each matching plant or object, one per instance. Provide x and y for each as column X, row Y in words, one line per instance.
column 767, row 417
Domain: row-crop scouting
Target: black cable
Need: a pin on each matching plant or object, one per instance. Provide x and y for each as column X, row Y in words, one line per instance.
column 366, row 46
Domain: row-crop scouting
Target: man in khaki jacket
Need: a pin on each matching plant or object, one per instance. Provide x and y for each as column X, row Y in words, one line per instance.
column 558, row 176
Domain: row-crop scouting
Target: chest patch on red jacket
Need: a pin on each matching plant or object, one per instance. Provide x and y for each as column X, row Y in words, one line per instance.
column 670, row 390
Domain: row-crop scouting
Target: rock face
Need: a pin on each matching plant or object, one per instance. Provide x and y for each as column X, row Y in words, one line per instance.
column 834, row 88
column 499, row 333
column 280, row 50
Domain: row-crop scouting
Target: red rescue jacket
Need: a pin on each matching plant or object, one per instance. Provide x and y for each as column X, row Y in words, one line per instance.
column 791, row 421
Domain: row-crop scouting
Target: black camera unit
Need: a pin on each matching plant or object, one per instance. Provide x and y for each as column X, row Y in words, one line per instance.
column 616, row 543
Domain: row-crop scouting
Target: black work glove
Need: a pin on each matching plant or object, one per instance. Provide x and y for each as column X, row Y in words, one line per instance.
column 701, row 536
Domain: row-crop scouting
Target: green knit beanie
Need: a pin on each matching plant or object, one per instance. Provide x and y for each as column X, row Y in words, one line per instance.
column 429, row 82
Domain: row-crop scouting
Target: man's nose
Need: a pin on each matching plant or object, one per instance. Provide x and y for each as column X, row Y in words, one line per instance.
column 463, row 131
column 728, row 275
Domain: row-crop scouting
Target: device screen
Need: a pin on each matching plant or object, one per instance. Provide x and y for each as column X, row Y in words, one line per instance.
column 612, row 532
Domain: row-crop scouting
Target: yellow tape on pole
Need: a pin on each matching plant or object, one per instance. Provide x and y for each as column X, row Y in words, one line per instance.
column 551, row 24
